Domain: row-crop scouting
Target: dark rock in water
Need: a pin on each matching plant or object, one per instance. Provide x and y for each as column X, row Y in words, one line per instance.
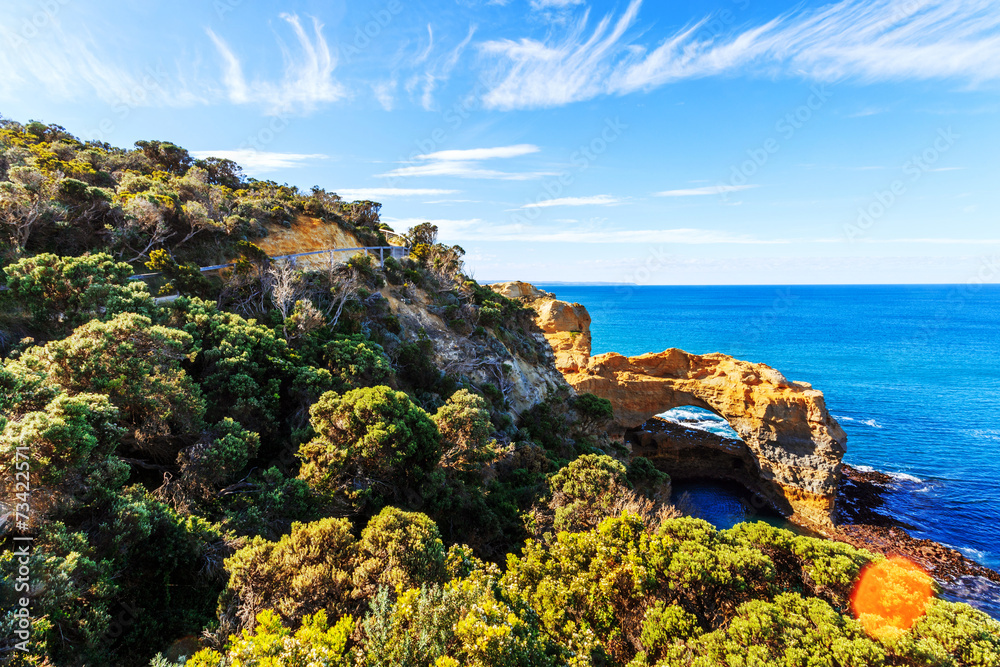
column 861, row 495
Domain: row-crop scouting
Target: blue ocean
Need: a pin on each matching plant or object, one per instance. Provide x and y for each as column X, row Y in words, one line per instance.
column 911, row 372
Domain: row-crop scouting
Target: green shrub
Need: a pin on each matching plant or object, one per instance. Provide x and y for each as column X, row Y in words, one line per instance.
column 593, row 412
column 246, row 370
column 399, row 550
column 464, row 424
column 463, row 623
column 68, row 449
column 584, row 491
column 185, row 278
column 356, row 361
column 370, row 441
column 62, row 292
column 315, row 643
column 307, row 571
column 138, row 366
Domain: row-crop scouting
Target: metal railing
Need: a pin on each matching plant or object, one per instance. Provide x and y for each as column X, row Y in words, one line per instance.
column 396, row 252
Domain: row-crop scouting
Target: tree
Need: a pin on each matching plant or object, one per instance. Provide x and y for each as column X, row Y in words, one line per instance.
column 137, row 365
column 423, row 234
column 304, row 572
column 166, row 156
column 27, row 201
column 399, row 550
column 464, row 424
column 370, row 441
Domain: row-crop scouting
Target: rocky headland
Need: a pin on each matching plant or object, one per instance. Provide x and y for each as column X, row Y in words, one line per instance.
column 792, row 446
column 789, row 455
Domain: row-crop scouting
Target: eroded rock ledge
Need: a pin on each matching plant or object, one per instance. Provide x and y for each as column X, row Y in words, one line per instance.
column 796, row 445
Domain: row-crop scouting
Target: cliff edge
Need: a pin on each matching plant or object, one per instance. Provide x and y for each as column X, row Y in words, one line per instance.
column 796, row 445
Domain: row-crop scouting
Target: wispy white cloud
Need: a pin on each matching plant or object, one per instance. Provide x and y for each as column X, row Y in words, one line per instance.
column 375, row 193
column 707, row 190
column 596, row 200
column 864, row 40
column 438, row 71
column 262, row 162
column 308, row 77
column 385, row 93
column 477, row 229
column 461, row 170
column 481, row 153
column 466, row 163
column 73, row 64
column 870, row 111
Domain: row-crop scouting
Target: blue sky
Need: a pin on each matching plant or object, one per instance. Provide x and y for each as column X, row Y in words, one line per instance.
column 713, row 142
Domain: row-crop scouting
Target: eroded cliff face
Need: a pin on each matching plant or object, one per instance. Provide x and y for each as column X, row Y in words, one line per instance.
column 796, row 446
column 566, row 326
column 524, row 382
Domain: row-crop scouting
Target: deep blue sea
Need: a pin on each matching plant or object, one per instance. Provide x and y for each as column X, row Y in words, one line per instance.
column 911, row 372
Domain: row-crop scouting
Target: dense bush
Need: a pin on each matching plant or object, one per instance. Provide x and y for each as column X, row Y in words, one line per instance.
column 306, row 571
column 314, row 644
column 399, row 550
column 464, row 424
column 246, row 370
column 134, row 576
column 62, row 292
column 371, row 442
column 138, row 366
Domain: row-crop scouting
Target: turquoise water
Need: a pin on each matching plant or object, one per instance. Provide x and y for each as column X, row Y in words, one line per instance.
column 911, row 372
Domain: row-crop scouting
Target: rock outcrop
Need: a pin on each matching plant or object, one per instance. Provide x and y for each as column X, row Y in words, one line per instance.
column 793, row 446
column 566, row 326
column 797, row 446
column 525, row 382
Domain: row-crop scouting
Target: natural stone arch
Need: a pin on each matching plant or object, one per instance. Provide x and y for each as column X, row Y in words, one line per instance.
column 796, row 444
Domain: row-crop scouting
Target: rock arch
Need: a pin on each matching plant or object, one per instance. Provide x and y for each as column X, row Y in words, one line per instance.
column 796, row 445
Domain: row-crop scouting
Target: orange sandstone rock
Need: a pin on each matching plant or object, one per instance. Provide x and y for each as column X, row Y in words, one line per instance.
column 796, row 445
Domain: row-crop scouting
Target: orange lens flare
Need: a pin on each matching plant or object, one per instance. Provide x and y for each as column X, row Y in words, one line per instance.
column 891, row 596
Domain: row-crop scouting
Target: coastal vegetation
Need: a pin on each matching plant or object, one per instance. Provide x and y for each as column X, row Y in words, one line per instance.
column 284, row 466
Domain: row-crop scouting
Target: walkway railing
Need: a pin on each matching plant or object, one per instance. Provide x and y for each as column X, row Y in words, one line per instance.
column 396, row 252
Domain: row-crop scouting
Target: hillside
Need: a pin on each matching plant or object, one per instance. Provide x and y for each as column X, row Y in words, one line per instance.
column 351, row 463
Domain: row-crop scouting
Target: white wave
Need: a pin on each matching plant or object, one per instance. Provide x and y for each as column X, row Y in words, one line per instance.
column 866, row 422
column 699, row 419
column 968, row 552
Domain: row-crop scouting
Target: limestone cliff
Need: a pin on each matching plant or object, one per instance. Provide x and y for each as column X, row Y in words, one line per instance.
column 524, row 382
column 566, row 326
column 795, row 446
